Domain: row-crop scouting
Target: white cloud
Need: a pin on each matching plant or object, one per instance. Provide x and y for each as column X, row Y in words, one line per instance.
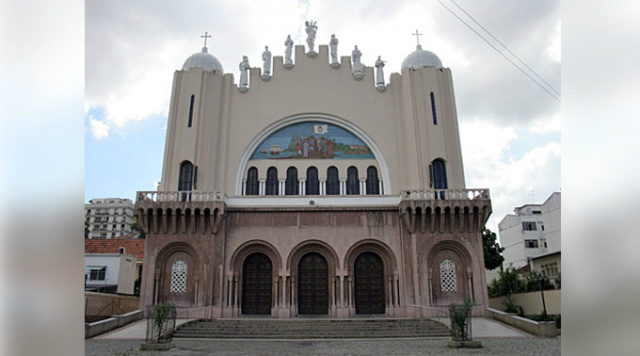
column 546, row 124
column 98, row 128
column 555, row 49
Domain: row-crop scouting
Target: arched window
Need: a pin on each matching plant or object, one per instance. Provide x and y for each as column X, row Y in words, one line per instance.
column 433, row 109
column 373, row 184
column 439, row 176
column 178, row 277
column 272, row 181
column 313, row 184
column 333, row 184
column 185, row 181
column 193, row 98
column 353, row 183
column 448, row 276
column 291, row 184
column 252, row 182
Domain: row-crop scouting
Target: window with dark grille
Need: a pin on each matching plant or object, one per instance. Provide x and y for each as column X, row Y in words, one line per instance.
column 252, row 187
column 291, row 184
column 272, row 181
column 333, row 184
column 353, row 184
column 373, row 184
column 193, row 98
column 529, row 226
column 531, row 243
column 313, row 184
column 98, row 274
column 186, row 176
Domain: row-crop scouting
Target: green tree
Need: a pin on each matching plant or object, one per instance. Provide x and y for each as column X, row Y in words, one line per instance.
column 492, row 250
column 137, row 228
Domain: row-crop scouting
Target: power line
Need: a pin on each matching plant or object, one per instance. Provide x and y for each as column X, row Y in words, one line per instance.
column 507, row 48
column 499, row 52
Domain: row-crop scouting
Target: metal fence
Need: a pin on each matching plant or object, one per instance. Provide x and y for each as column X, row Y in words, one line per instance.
column 460, row 317
column 161, row 323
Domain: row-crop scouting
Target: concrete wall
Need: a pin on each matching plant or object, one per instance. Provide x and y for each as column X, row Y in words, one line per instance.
column 543, row 329
column 531, row 302
column 127, row 274
column 102, row 326
column 103, row 304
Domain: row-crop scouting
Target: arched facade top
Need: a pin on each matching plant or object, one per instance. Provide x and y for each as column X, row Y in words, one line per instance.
column 174, row 247
column 313, row 122
column 318, row 246
column 370, row 245
column 454, row 246
column 251, row 247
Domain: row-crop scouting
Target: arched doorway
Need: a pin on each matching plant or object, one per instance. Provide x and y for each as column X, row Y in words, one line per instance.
column 369, row 284
column 257, row 275
column 313, row 285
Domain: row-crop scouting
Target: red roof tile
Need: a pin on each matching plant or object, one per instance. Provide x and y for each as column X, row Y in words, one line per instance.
column 132, row 246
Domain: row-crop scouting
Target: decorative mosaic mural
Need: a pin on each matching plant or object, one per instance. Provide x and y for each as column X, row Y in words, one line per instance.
column 312, row 140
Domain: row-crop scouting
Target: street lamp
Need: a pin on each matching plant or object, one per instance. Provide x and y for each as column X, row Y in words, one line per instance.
column 544, row 305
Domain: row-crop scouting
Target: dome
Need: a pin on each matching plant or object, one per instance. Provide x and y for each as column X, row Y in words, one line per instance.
column 203, row 60
column 420, row 59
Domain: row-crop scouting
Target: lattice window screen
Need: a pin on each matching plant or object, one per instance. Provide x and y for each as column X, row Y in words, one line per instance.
column 179, row 277
column 448, row 276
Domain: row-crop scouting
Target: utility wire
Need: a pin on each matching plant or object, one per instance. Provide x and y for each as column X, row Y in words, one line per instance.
column 499, row 52
column 507, row 48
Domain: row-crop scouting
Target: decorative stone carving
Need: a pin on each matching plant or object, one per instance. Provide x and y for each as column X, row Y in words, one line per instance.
column 357, row 65
column 333, row 44
column 266, row 64
column 178, row 277
column 288, row 63
column 380, row 74
column 311, row 29
column 244, row 76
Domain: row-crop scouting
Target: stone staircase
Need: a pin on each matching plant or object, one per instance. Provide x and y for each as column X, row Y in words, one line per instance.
column 311, row 329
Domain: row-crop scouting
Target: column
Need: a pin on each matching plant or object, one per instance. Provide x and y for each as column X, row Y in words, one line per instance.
column 380, row 187
column 389, row 291
column 343, row 186
column 281, row 184
column 349, row 292
column 416, row 279
column 470, row 283
column 323, row 187
column 294, row 301
column 276, row 296
column 156, row 287
column 229, row 290
column 244, row 186
column 235, row 291
column 302, row 183
column 341, row 291
column 195, row 300
column 430, row 287
column 396, row 297
column 363, row 186
column 263, row 183
column 332, row 293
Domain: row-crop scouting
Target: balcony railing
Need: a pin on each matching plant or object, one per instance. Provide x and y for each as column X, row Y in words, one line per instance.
column 447, row 194
column 180, row 196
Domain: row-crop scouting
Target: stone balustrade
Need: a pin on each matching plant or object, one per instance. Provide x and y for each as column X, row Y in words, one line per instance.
column 446, row 194
column 175, row 196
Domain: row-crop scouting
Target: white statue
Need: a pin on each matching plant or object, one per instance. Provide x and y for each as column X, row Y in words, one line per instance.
column 244, row 67
column 333, row 44
column 288, row 63
column 357, row 65
column 379, row 73
column 266, row 61
column 311, row 34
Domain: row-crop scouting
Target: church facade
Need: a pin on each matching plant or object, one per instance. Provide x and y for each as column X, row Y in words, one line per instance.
column 310, row 188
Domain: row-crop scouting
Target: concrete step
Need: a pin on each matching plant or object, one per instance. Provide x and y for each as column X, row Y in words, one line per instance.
column 311, row 328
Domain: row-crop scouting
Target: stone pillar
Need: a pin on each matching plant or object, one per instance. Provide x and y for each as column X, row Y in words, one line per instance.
column 236, row 289
column 294, row 296
column 343, row 186
column 430, row 287
column 363, row 186
column 389, row 291
column 276, row 294
column 156, row 288
column 396, row 297
column 470, row 283
column 281, row 185
column 195, row 299
column 302, row 185
column 416, row 279
column 349, row 291
column 380, row 187
column 229, row 290
column 262, row 184
column 341, row 283
column 244, row 186
column 323, row 187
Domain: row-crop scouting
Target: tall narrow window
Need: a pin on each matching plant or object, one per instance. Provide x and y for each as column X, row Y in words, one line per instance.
column 313, row 185
column 193, row 98
column 439, row 177
column 178, row 277
column 353, row 184
column 272, row 181
column 252, row 182
column 433, row 109
column 373, row 184
column 291, row 184
column 333, row 184
column 186, row 176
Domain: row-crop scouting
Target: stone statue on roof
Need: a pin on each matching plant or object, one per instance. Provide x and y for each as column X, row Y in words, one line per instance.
column 311, row 34
column 288, row 63
column 379, row 72
column 333, row 44
column 244, row 78
column 357, row 65
column 266, row 61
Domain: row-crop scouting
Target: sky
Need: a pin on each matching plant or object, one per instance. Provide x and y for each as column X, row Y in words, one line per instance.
column 509, row 126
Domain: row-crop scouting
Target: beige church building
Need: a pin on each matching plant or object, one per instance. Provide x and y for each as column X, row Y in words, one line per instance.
column 311, row 187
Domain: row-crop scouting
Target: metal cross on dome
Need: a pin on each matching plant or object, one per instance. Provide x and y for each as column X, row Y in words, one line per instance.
column 207, row 35
column 417, row 36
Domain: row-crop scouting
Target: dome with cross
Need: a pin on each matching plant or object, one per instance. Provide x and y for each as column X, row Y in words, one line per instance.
column 203, row 59
column 420, row 59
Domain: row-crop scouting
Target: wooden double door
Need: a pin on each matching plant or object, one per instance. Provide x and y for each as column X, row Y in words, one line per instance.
column 369, row 284
column 257, row 276
column 313, row 285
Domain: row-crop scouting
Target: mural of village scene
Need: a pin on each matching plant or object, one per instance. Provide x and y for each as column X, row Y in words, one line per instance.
column 312, row 140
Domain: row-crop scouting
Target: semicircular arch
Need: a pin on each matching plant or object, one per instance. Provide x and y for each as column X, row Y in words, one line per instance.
column 317, row 246
column 254, row 246
column 319, row 117
column 378, row 247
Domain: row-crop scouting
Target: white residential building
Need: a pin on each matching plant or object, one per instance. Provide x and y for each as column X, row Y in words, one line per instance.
column 534, row 230
column 109, row 218
column 110, row 272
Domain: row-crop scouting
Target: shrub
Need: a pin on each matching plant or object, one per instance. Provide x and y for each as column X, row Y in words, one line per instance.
column 459, row 314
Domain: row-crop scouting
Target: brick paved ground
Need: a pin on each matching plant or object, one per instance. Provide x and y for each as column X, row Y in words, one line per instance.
column 405, row 347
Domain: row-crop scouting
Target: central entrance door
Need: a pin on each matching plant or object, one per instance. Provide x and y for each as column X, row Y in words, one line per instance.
column 369, row 284
column 313, row 285
column 256, row 284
